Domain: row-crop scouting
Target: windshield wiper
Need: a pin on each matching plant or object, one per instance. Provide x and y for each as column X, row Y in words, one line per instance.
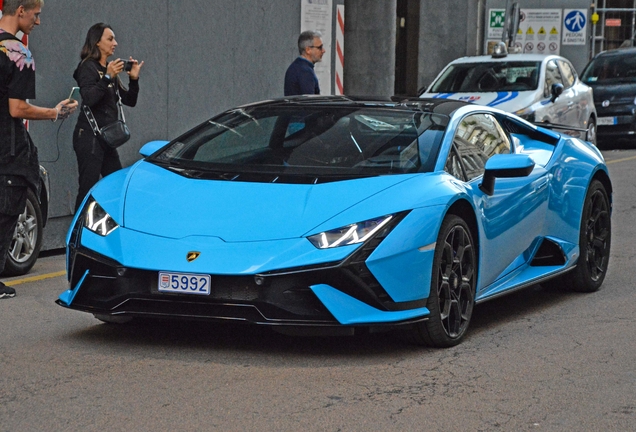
column 242, row 112
column 222, row 126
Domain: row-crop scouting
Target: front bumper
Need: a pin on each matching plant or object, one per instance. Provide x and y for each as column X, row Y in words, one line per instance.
column 337, row 293
column 623, row 124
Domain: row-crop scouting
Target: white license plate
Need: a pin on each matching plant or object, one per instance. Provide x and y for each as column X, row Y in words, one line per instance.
column 184, row 283
column 606, row 121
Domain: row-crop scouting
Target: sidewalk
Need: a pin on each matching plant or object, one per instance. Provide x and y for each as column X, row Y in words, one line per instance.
column 50, row 264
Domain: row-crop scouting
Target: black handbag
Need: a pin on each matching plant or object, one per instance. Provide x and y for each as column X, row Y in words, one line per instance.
column 114, row 134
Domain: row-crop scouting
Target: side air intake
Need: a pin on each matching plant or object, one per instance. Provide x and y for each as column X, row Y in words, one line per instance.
column 549, row 254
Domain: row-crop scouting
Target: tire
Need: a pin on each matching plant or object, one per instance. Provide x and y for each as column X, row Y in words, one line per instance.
column 591, row 131
column 595, row 239
column 452, row 294
column 27, row 239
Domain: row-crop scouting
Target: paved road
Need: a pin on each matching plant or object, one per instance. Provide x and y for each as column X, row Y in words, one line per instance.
column 535, row 360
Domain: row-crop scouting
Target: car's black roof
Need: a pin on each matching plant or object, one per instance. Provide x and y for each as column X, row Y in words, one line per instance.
column 438, row 106
column 619, row 52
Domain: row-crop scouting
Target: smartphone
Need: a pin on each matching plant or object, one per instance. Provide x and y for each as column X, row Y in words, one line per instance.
column 75, row 94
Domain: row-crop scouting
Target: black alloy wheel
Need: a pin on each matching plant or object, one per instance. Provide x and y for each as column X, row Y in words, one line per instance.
column 595, row 237
column 594, row 241
column 452, row 294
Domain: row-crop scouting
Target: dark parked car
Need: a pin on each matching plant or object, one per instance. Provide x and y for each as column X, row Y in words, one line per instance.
column 612, row 75
column 27, row 239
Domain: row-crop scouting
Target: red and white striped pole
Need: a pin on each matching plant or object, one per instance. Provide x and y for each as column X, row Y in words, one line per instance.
column 340, row 50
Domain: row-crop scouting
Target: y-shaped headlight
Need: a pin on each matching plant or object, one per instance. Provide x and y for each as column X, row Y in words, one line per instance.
column 97, row 220
column 350, row 234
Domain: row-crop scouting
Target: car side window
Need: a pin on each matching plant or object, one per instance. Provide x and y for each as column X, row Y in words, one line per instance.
column 569, row 76
column 478, row 137
column 552, row 76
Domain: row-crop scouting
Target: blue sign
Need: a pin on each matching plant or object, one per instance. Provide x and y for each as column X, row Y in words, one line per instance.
column 575, row 21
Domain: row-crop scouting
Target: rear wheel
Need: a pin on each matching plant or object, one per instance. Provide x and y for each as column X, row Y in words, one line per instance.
column 594, row 241
column 27, row 239
column 595, row 238
column 452, row 295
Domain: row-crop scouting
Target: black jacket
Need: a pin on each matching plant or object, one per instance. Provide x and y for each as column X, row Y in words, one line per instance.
column 98, row 93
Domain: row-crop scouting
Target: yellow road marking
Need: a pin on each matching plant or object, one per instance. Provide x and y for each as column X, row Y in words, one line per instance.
column 620, row 160
column 36, row 278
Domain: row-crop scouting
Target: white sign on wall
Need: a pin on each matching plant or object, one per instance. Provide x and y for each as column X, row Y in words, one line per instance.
column 574, row 26
column 316, row 15
column 539, row 31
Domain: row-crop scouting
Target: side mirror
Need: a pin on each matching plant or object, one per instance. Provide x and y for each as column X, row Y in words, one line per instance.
column 556, row 91
column 505, row 166
column 422, row 90
column 151, row 147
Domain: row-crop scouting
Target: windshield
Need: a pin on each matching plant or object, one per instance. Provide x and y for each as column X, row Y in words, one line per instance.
column 611, row 69
column 307, row 144
column 488, row 77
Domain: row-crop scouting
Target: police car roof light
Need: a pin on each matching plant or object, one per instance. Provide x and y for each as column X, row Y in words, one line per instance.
column 499, row 50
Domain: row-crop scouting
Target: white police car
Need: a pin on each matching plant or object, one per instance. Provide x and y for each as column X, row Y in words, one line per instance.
column 538, row 88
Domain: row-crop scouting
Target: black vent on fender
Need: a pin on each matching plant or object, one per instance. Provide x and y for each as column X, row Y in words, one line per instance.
column 549, row 254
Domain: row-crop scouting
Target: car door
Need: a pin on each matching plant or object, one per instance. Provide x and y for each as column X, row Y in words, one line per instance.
column 512, row 218
column 574, row 98
column 562, row 110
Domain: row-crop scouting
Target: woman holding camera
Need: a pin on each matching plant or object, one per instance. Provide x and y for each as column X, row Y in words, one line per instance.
column 101, row 89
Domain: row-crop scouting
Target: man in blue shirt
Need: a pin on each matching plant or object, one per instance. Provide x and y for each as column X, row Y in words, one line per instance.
column 300, row 77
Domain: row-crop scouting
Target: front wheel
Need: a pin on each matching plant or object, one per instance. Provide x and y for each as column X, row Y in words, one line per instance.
column 453, row 281
column 27, row 239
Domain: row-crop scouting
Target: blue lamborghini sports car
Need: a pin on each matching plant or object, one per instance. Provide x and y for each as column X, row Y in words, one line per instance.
column 342, row 214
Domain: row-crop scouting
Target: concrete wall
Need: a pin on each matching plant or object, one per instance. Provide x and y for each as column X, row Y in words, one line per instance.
column 448, row 30
column 369, row 67
column 201, row 57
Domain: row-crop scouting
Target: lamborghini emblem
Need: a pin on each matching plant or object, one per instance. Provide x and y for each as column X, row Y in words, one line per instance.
column 191, row 256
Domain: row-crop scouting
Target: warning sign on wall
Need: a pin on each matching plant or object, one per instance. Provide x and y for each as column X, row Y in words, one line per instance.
column 539, row 30
column 533, row 36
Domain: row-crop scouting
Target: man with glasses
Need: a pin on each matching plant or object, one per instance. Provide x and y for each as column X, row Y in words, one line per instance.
column 300, row 78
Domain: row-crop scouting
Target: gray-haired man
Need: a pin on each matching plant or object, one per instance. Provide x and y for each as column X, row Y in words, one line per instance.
column 300, row 77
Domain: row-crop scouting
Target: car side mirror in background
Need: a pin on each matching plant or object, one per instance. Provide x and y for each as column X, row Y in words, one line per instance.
column 556, row 91
column 151, row 147
column 422, row 90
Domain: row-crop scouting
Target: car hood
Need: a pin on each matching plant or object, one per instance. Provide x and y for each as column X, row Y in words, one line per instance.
column 160, row 202
column 509, row 101
column 614, row 92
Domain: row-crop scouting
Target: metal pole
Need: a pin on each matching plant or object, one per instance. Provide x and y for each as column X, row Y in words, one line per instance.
column 633, row 21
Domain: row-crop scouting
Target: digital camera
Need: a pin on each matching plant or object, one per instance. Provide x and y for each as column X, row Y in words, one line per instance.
column 127, row 65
